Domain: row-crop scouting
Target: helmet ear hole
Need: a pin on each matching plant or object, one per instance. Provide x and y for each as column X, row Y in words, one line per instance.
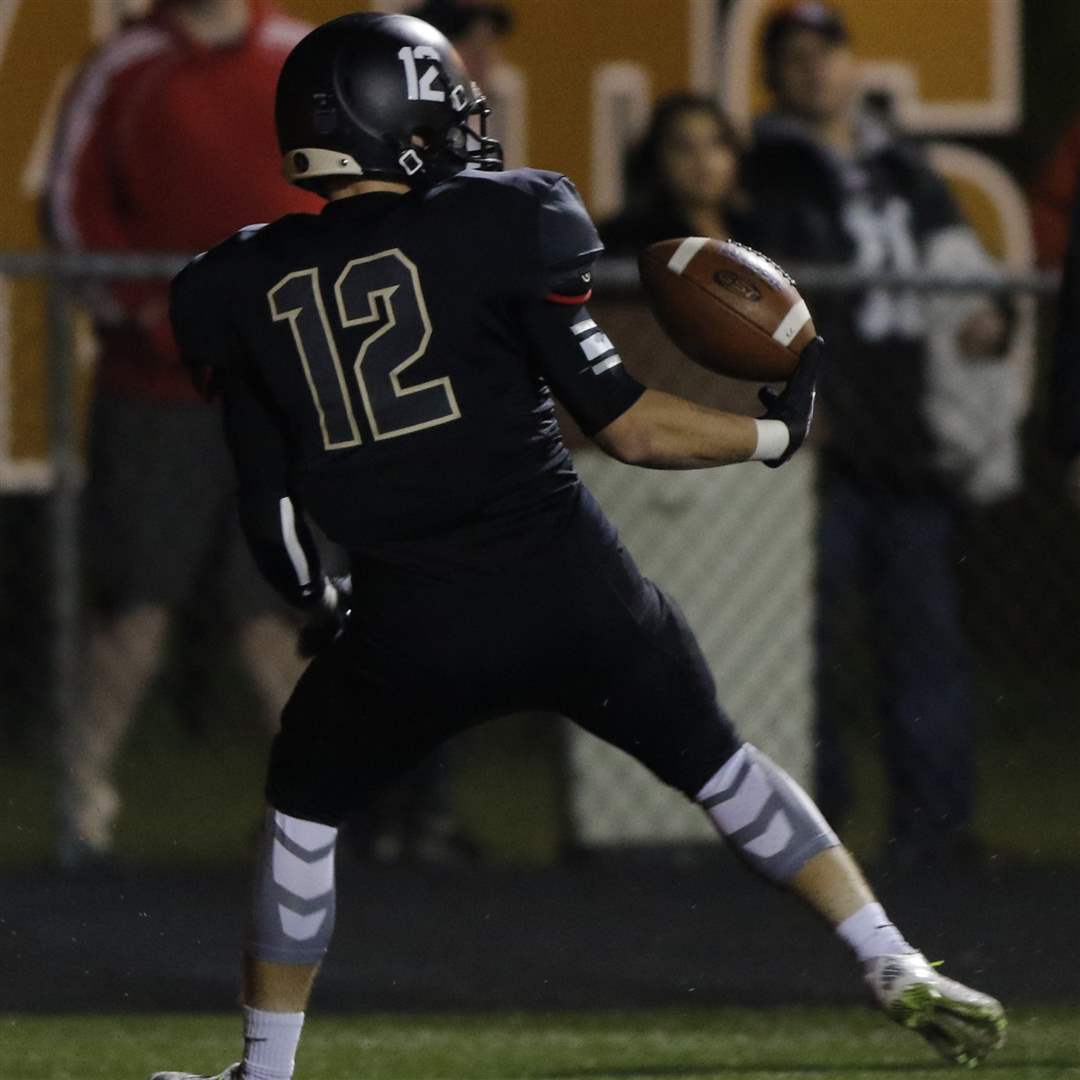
column 456, row 140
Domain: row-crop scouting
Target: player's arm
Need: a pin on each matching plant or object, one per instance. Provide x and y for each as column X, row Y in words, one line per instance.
column 631, row 423
column 651, row 428
column 664, row 431
column 272, row 520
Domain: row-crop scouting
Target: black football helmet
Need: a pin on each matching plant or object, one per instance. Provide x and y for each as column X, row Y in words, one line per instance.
column 379, row 96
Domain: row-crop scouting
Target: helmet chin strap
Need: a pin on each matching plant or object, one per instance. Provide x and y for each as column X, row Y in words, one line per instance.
column 420, row 163
column 411, row 162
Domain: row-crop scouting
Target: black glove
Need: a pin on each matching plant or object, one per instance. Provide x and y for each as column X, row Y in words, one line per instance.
column 328, row 620
column 794, row 405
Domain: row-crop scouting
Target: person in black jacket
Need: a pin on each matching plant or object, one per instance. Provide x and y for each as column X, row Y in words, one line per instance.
column 905, row 434
column 1065, row 377
column 681, row 178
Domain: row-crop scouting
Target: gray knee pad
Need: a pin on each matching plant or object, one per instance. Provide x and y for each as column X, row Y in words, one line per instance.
column 293, row 905
column 765, row 815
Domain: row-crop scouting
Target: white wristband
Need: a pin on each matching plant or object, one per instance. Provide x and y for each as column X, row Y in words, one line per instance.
column 772, row 440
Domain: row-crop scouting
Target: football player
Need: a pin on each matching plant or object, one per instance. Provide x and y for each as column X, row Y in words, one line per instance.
column 388, row 367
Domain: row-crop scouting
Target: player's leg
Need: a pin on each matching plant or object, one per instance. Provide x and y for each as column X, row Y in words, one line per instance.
column 964, row 1025
column 842, row 528
column 926, row 697
column 660, row 707
column 268, row 647
column 345, row 733
column 137, row 510
column 123, row 651
column 290, row 926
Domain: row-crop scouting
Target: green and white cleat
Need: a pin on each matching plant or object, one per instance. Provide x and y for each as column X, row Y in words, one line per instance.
column 233, row 1072
column 961, row 1024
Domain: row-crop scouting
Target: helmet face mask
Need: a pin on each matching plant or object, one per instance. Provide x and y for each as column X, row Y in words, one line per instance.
column 473, row 145
column 381, row 97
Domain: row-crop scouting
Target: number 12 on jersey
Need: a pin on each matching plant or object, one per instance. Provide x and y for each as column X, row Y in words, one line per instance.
column 382, row 292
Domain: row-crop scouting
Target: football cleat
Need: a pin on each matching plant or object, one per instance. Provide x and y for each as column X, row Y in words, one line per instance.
column 961, row 1024
column 233, row 1072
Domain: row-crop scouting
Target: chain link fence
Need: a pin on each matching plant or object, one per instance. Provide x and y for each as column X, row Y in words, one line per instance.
column 738, row 548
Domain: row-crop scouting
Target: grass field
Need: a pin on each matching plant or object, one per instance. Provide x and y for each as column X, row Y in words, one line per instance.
column 846, row 1044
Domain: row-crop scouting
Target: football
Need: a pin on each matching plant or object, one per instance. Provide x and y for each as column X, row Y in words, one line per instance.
column 727, row 306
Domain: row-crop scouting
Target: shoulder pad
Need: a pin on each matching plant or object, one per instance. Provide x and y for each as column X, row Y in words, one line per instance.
column 548, row 232
column 229, row 245
column 569, row 244
column 206, row 268
column 199, row 310
column 568, row 236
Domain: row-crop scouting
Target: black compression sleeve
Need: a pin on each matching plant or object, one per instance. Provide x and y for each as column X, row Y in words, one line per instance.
column 272, row 520
column 580, row 364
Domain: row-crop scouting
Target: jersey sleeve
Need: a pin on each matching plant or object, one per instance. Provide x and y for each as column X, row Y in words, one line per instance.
column 255, row 430
column 271, row 517
column 567, row 245
column 579, row 362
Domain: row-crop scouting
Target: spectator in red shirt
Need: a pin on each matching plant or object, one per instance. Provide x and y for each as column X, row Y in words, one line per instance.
column 166, row 143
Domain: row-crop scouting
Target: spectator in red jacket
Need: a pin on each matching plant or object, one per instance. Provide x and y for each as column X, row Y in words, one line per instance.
column 166, row 143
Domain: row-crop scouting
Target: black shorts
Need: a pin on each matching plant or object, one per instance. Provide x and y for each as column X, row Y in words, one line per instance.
column 577, row 631
column 159, row 514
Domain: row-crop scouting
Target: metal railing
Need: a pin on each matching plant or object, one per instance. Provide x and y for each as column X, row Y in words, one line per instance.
column 610, row 273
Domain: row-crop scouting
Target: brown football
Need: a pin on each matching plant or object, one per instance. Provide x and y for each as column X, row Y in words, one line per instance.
column 727, row 306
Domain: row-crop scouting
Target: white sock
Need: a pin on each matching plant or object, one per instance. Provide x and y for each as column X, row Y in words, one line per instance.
column 870, row 934
column 270, row 1041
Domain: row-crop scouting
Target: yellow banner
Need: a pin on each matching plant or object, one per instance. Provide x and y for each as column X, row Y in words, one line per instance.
column 575, row 90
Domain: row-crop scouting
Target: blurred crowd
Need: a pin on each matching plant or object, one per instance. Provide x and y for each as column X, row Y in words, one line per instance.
column 920, row 410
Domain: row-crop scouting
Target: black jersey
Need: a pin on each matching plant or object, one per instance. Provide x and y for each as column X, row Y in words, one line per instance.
column 388, row 366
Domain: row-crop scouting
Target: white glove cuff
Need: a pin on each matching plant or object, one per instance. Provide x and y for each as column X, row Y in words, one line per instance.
column 772, row 440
